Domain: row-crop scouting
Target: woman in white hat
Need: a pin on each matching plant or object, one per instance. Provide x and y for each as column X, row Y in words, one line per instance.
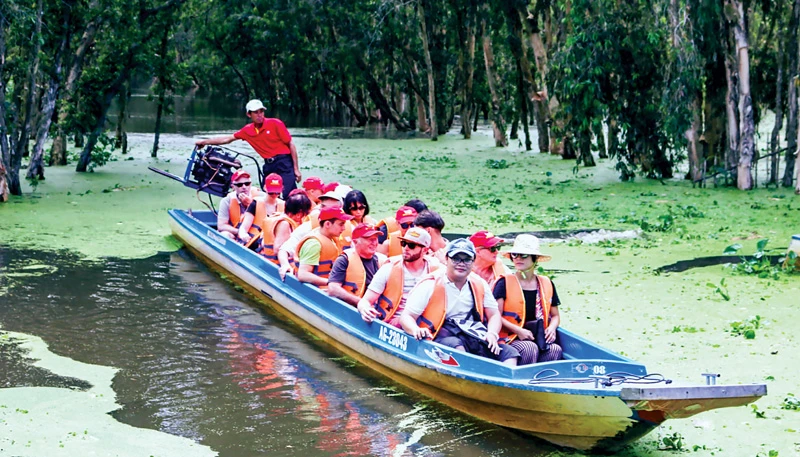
column 529, row 304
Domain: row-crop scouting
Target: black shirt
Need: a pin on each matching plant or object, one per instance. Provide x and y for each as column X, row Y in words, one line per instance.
column 529, row 295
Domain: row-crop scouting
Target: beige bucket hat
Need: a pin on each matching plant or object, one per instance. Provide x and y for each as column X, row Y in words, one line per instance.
column 527, row 244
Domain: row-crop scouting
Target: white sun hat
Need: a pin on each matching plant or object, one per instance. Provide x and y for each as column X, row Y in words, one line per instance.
column 527, row 244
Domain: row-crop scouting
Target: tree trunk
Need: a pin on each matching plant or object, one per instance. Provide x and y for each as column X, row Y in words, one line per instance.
column 466, row 61
column 58, row 153
column 121, row 136
column 523, row 105
column 23, row 137
column 162, row 99
column 747, row 128
column 792, row 71
column 498, row 123
column 48, row 106
column 586, row 149
column 5, row 152
column 732, row 115
column 775, row 141
column 429, row 65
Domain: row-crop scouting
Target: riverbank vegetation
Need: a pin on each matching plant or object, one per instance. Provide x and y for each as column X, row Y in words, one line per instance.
column 665, row 87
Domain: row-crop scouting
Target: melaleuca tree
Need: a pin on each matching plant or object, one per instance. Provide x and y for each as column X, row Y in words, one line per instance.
column 611, row 66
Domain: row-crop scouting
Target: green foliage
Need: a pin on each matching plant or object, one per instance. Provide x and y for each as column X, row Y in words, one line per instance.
column 760, row 264
column 791, row 402
column 760, row 414
column 673, row 442
column 746, row 328
column 496, row 164
column 720, row 289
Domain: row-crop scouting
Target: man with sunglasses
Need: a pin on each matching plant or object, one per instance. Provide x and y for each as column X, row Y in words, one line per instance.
column 386, row 295
column 487, row 265
column 271, row 140
column 232, row 208
column 451, row 306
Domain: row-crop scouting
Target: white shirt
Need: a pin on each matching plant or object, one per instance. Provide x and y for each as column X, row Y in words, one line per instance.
column 381, row 278
column 459, row 302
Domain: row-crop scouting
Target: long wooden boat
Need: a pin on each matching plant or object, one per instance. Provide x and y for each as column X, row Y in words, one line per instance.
column 594, row 399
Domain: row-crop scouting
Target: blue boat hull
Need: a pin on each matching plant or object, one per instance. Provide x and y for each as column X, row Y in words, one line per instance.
column 556, row 401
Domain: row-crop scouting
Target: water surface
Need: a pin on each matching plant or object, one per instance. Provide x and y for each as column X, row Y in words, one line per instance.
column 198, row 359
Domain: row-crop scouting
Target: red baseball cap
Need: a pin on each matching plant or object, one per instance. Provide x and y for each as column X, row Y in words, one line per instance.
column 363, row 230
column 485, row 239
column 330, row 187
column 313, row 183
column 327, row 214
column 298, row 191
column 239, row 174
column 405, row 214
column 273, row 183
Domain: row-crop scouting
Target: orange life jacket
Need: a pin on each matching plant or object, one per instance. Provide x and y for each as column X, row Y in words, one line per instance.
column 328, row 254
column 268, row 236
column 235, row 214
column 436, row 309
column 395, row 248
column 391, row 224
column 389, row 300
column 514, row 304
column 355, row 277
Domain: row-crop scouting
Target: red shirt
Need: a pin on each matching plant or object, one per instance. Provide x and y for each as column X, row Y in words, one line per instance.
column 270, row 140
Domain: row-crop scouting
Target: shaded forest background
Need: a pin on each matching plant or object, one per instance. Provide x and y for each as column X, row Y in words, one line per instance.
column 652, row 84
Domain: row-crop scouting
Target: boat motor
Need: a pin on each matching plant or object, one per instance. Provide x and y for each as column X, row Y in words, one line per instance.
column 209, row 170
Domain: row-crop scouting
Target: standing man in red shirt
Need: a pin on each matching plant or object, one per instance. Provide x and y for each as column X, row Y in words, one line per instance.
column 271, row 140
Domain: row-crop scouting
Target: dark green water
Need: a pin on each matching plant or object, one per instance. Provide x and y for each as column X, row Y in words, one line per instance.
column 191, row 115
column 198, row 359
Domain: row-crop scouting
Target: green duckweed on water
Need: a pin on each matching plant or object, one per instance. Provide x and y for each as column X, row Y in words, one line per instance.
column 41, row 421
column 675, row 323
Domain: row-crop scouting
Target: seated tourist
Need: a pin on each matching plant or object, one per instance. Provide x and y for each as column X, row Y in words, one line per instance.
column 355, row 204
column 286, row 253
column 486, row 264
column 386, row 295
column 273, row 185
column 261, row 207
column 389, row 224
column 405, row 220
column 418, row 205
column 451, row 305
column 234, row 205
column 320, row 248
column 433, row 223
column 529, row 304
column 313, row 187
column 353, row 271
column 278, row 227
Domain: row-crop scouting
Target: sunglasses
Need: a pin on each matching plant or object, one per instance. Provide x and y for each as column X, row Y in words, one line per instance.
column 409, row 245
column 406, row 225
column 464, row 260
column 493, row 248
column 240, row 184
column 358, row 208
column 273, row 193
column 519, row 256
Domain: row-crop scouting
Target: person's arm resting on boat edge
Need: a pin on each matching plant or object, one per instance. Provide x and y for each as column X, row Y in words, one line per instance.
column 366, row 306
column 305, row 274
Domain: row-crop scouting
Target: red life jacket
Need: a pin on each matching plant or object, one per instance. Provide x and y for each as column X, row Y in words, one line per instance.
column 514, row 304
